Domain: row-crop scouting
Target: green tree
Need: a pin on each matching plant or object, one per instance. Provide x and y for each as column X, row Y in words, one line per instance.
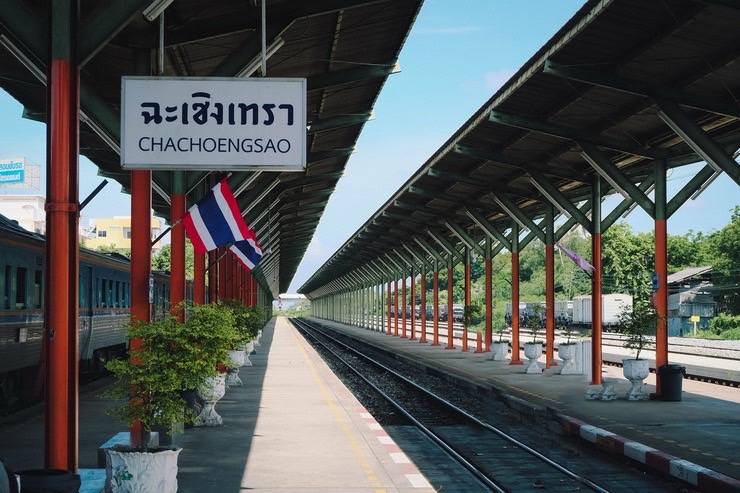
column 724, row 255
column 628, row 261
column 163, row 259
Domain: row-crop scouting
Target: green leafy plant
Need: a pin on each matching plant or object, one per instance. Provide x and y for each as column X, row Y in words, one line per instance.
column 155, row 373
column 473, row 316
column 637, row 323
column 535, row 324
column 569, row 332
column 247, row 319
column 212, row 327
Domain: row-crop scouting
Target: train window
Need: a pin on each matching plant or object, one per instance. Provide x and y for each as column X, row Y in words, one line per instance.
column 37, row 292
column 104, row 293
column 117, row 301
column 97, row 294
column 6, row 288
column 20, row 287
column 81, row 291
column 111, row 301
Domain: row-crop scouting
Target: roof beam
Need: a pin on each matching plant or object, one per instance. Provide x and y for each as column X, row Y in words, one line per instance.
column 487, row 227
column 611, row 80
column 339, row 121
column 697, row 139
column 447, row 246
column 604, row 166
column 574, row 134
column 419, row 257
column 349, row 75
column 464, row 237
column 477, row 182
column 554, row 196
column 500, row 157
column 511, row 209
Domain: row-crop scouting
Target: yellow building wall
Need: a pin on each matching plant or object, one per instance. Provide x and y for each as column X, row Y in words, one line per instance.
column 116, row 232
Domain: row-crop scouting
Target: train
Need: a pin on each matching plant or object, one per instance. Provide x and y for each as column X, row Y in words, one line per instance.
column 575, row 312
column 104, row 311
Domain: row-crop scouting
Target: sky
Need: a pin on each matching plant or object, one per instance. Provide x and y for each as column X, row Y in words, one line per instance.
column 456, row 57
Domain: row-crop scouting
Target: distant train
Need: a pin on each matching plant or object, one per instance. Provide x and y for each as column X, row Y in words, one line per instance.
column 575, row 312
column 104, row 310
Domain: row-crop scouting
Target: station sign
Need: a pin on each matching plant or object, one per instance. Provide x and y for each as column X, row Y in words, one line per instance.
column 12, row 171
column 213, row 123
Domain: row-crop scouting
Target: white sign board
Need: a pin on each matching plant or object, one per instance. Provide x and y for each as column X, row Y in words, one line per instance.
column 183, row 123
column 12, row 170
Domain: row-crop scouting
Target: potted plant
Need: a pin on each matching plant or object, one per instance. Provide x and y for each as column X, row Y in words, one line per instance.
column 212, row 329
column 533, row 348
column 151, row 381
column 567, row 352
column 500, row 348
column 637, row 322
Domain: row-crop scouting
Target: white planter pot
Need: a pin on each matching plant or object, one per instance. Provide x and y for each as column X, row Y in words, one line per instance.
column 141, row 472
column 248, row 349
column 636, row 370
column 533, row 351
column 211, row 392
column 499, row 351
column 567, row 353
column 237, row 357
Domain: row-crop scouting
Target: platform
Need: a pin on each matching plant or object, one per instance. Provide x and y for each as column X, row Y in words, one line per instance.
column 696, row 439
column 293, row 426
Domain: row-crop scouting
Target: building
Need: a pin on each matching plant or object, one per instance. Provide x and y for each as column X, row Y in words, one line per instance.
column 27, row 210
column 116, row 232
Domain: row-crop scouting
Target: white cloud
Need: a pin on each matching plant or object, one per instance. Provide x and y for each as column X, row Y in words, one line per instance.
column 495, row 79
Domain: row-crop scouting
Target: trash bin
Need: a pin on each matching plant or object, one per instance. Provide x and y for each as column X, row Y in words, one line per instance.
column 49, row 481
column 671, row 380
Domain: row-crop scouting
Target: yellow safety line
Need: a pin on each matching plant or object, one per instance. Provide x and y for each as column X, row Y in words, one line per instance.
column 351, row 438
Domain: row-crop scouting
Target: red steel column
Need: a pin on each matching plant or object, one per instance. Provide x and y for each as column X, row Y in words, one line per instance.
column 467, row 300
column 423, row 336
column 661, row 269
column 141, row 261
column 515, row 351
column 489, row 295
column 395, row 307
column 413, row 306
column 549, row 288
column 450, row 317
column 177, row 240
column 596, row 358
column 435, row 309
column 62, row 253
column 405, row 304
column 389, row 308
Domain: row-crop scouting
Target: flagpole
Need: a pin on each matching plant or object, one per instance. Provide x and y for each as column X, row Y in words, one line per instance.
column 156, row 240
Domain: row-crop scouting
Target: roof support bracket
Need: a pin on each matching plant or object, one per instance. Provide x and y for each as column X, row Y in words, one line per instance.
column 603, row 165
column 511, row 209
column 559, row 200
column 698, row 140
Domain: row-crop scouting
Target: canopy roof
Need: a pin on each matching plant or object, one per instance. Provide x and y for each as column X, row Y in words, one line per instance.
column 346, row 49
column 623, row 86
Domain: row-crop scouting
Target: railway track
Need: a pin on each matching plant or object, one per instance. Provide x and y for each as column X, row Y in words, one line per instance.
column 496, row 459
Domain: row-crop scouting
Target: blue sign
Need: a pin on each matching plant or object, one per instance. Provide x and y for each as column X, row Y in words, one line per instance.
column 656, row 282
column 12, row 172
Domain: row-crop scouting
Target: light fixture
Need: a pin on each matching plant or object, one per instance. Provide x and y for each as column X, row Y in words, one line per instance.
column 155, row 9
column 549, row 197
column 687, row 138
column 256, row 63
column 605, row 175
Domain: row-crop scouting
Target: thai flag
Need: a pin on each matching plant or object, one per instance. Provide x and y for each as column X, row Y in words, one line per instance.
column 248, row 252
column 216, row 221
column 579, row 261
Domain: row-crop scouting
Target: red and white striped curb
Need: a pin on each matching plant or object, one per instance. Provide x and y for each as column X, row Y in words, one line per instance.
column 407, row 468
column 705, row 479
